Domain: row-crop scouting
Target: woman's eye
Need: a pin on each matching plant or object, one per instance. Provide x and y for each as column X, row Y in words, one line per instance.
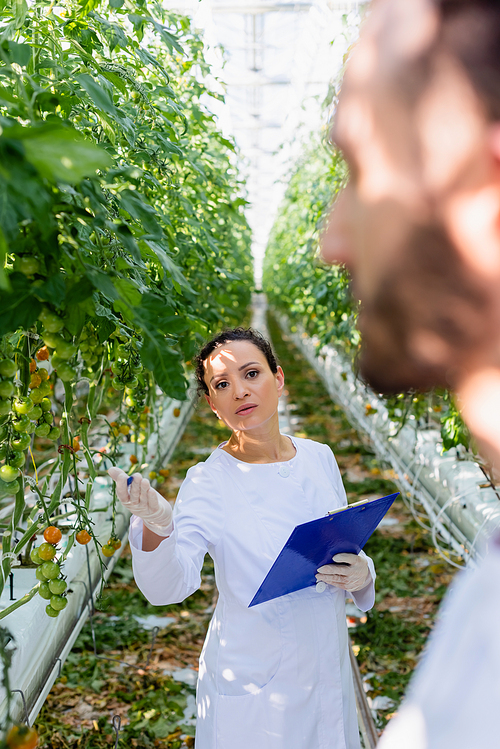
column 252, row 373
column 221, row 385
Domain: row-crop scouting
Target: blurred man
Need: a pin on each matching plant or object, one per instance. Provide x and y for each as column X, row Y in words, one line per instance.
column 418, row 225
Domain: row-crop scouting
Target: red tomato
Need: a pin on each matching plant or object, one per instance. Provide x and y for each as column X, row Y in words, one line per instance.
column 42, row 354
column 52, row 534
column 83, row 537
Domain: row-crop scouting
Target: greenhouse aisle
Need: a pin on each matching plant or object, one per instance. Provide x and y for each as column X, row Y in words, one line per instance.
column 147, row 694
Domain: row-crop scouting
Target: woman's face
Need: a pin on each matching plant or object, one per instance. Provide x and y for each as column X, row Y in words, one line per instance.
column 243, row 391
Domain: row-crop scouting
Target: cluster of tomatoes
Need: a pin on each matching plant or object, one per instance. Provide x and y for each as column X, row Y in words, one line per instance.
column 83, row 537
column 159, row 476
column 21, row 416
column 52, row 584
column 63, row 349
column 113, row 545
column 91, row 349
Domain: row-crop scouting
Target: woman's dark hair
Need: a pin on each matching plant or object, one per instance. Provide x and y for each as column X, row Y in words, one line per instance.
column 232, row 334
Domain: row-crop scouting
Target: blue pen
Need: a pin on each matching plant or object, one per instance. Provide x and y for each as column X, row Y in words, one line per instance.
column 129, row 480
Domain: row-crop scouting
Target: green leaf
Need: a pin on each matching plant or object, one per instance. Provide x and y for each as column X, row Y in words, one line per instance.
column 127, row 291
column 18, row 309
column 165, row 363
column 62, row 154
column 53, row 290
column 97, row 93
column 18, row 53
column 142, row 211
column 103, row 283
column 170, row 267
column 154, row 313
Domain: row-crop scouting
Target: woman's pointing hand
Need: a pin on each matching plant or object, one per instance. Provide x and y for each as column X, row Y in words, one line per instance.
column 139, row 497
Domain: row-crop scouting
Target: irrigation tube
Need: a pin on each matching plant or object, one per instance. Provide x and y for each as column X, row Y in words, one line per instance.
column 42, row 644
column 460, row 506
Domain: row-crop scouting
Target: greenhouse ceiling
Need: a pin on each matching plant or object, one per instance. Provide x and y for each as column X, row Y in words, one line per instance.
column 277, row 61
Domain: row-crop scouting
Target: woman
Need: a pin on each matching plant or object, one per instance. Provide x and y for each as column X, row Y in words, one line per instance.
column 277, row 675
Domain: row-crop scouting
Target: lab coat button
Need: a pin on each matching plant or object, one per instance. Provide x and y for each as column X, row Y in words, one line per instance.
column 320, row 587
column 284, row 471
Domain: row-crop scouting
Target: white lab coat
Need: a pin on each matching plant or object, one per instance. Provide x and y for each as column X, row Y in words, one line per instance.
column 454, row 699
column 277, row 675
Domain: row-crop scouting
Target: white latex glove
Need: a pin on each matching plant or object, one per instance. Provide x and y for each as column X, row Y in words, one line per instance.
column 142, row 500
column 355, row 575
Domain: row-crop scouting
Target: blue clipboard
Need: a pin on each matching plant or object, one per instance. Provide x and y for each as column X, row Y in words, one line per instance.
column 313, row 544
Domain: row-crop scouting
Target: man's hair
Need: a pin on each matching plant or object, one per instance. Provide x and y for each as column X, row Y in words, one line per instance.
column 225, row 336
column 470, row 30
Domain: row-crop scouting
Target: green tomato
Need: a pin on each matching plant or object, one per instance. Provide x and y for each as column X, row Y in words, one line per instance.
column 132, row 383
column 35, row 556
column 58, row 603
column 117, row 383
column 52, row 340
column 10, row 489
column 116, row 368
column 58, row 586
column 46, row 552
column 123, row 352
column 27, row 265
column 16, row 459
column 44, row 388
column 48, row 417
column 21, row 424
column 51, row 322
column 54, row 433
column 44, row 591
column 45, row 404
column 51, row 570
column 37, row 395
column 51, row 612
column 9, row 473
column 130, row 401
column 39, row 573
column 31, row 428
column 7, row 389
column 36, row 413
column 8, row 368
column 22, row 405
column 65, row 372
column 65, row 350
column 42, row 430
column 21, row 442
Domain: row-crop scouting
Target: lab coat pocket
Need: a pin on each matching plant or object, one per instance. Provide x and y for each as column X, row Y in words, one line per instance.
column 249, row 649
column 250, row 721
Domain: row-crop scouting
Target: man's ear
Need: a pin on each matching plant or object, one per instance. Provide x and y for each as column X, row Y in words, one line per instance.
column 280, row 380
column 472, row 212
